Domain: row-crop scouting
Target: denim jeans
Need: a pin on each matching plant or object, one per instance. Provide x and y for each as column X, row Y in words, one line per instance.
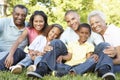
column 116, row 68
column 28, row 61
column 78, row 69
column 103, row 58
column 18, row 56
column 3, row 54
column 88, row 65
column 60, row 49
column 49, row 59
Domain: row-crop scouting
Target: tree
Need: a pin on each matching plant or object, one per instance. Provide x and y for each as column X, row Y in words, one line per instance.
column 55, row 9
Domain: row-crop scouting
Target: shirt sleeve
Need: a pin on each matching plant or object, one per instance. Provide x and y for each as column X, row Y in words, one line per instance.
column 63, row 38
column 97, row 38
column 2, row 24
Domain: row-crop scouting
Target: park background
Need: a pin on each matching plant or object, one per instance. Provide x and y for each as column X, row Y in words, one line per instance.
column 55, row 9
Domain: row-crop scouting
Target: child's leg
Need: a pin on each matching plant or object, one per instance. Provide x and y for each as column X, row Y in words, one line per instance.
column 61, row 69
column 26, row 61
column 33, row 66
column 23, row 63
column 50, row 57
column 116, row 68
column 37, row 60
column 84, row 67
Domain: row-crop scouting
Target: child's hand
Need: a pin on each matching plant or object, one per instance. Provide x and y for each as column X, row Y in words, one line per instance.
column 95, row 57
column 59, row 59
column 33, row 54
column 33, row 57
column 40, row 54
column 47, row 48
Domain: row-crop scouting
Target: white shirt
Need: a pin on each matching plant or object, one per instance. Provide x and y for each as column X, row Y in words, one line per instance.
column 112, row 35
column 70, row 35
column 38, row 43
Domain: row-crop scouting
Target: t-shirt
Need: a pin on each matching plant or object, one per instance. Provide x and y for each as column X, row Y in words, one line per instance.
column 39, row 43
column 32, row 34
column 9, row 34
column 79, row 52
column 112, row 35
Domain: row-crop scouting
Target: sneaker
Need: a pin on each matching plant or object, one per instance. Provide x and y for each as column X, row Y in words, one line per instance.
column 16, row 69
column 72, row 73
column 31, row 68
column 33, row 74
column 108, row 76
column 105, row 73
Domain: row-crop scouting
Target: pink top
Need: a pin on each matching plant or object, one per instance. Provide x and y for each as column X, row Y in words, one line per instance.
column 32, row 34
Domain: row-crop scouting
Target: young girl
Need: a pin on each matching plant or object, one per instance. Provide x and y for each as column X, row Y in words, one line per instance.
column 36, row 48
column 37, row 26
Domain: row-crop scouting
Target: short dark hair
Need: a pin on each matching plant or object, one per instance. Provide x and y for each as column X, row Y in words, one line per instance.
column 41, row 13
column 84, row 25
column 20, row 6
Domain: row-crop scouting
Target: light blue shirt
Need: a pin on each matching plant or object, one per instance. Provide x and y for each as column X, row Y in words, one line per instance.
column 9, row 34
column 70, row 35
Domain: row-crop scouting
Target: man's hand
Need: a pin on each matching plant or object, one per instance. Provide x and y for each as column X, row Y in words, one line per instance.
column 9, row 61
column 110, row 51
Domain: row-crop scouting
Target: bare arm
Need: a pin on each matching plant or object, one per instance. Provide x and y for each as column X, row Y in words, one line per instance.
column 88, row 55
column 116, row 60
column 64, row 57
column 18, row 41
column 9, row 59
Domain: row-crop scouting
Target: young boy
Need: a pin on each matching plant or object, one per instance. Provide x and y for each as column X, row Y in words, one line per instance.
column 80, row 53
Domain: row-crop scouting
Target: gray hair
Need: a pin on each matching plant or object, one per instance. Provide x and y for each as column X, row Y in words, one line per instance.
column 96, row 12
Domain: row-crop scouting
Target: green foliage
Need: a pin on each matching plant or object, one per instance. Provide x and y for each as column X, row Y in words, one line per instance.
column 111, row 9
column 55, row 9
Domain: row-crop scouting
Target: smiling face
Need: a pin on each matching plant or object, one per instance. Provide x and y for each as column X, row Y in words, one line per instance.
column 98, row 25
column 73, row 20
column 53, row 33
column 19, row 16
column 84, row 34
column 38, row 22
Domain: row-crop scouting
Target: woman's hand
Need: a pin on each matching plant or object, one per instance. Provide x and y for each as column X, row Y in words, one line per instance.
column 110, row 51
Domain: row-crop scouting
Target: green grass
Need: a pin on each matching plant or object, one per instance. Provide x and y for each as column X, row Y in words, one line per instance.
column 4, row 75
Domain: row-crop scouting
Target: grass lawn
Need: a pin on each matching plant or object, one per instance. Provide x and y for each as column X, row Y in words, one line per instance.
column 4, row 75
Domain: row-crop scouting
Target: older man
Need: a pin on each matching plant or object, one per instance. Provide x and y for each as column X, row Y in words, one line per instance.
column 10, row 29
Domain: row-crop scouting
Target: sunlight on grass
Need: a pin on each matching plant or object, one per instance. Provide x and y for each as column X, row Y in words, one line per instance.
column 4, row 75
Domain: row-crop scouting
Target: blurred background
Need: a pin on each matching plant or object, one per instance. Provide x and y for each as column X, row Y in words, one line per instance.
column 55, row 9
